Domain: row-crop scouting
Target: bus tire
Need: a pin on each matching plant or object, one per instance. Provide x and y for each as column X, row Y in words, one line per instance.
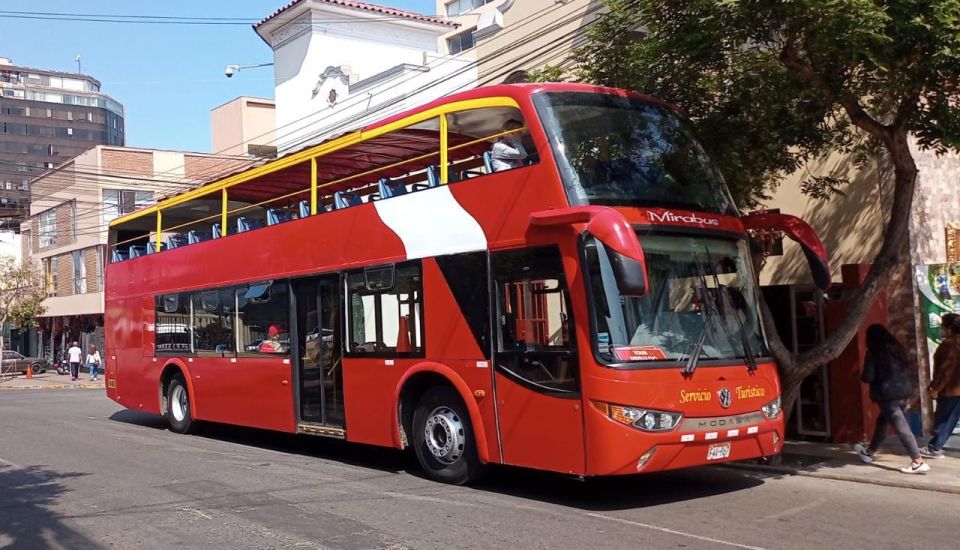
column 178, row 411
column 443, row 437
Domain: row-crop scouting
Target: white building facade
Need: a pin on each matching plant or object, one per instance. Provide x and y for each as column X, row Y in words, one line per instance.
column 339, row 65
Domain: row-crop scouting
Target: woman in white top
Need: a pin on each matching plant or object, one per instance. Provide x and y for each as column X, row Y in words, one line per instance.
column 93, row 362
column 508, row 152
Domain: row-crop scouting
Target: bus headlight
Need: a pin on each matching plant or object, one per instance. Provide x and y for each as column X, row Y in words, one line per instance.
column 648, row 420
column 772, row 409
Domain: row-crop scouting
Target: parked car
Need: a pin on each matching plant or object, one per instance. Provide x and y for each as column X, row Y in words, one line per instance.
column 13, row 361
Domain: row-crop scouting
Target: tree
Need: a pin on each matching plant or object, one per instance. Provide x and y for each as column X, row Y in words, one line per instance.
column 769, row 85
column 21, row 294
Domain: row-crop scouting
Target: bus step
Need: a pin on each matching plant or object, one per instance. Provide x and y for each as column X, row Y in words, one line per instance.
column 319, row 429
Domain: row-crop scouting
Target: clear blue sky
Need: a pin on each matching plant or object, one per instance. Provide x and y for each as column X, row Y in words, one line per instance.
column 167, row 76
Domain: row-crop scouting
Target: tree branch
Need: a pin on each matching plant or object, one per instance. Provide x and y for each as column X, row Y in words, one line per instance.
column 792, row 60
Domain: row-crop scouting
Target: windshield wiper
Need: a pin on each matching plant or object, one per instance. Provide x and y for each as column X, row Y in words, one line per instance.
column 694, row 357
column 744, row 339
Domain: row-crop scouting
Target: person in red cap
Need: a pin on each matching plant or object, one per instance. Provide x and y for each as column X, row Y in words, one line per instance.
column 272, row 343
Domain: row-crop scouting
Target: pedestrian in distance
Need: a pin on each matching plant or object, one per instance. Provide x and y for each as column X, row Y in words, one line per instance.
column 945, row 386
column 74, row 355
column 887, row 371
column 93, row 362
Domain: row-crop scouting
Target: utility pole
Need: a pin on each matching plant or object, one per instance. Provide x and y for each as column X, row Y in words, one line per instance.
column 77, row 59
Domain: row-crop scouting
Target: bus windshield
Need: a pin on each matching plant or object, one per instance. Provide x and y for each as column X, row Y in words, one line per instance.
column 701, row 301
column 616, row 150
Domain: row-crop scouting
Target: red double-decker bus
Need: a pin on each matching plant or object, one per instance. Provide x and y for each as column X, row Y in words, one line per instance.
column 550, row 276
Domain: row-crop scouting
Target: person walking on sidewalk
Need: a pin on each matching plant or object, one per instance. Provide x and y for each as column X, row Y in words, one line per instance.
column 945, row 386
column 886, row 370
column 74, row 354
column 93, row 362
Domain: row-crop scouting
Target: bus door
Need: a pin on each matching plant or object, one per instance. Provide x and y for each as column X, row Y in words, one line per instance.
column 535, row 358
column 318, row 351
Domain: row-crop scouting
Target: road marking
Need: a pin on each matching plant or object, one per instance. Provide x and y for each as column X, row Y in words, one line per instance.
column 674, row 532
column 196, row 512
column 11, row 464
column 795, row 510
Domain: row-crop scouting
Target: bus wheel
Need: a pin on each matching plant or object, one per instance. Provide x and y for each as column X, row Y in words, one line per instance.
column 443, row 437
column 178, row 406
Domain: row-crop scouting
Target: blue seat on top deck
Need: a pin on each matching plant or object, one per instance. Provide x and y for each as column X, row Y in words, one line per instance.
column 215, row 231
column 488, row 161
column 135, row 251
column 174, row 240
column 152, row 246
column 304, row 207
column 194, row 236
column 346, row 199
column 246, row 224
column 119, row 255
column 391, row 188
column 278, row 215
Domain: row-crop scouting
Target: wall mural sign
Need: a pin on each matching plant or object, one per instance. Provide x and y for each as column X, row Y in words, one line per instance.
column 953, row 243
column 939, row 286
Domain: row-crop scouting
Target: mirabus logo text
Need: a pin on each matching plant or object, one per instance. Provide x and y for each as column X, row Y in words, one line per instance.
column 672, row 217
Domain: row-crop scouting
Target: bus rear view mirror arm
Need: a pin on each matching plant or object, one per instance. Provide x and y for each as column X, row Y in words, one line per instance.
column 613, row 230
column 800, row 232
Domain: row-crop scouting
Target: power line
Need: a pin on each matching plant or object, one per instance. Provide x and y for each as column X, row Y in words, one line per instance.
column 379, row 110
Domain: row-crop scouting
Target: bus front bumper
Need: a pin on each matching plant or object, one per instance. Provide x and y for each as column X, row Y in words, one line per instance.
column 616, row 449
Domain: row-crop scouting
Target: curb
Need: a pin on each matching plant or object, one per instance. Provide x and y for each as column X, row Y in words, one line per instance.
column 786, row 470
column 53, row 387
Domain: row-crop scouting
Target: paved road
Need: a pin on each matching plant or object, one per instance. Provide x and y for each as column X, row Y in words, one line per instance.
column 76, row 471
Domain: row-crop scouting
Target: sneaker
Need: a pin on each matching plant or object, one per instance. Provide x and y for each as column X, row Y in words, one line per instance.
column 914, row 468
column 863, row 453
column 929, row 452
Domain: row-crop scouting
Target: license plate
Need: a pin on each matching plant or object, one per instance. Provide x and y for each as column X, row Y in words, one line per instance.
column 718, row 451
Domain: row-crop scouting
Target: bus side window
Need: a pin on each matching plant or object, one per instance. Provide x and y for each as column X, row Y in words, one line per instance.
column 534, row 328
column 386, row 311
column 483, row 141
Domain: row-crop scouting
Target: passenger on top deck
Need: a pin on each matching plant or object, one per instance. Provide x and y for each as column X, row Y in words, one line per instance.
column 508, row 151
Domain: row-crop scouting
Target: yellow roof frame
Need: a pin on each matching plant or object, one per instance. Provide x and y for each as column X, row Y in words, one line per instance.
column 320, row 150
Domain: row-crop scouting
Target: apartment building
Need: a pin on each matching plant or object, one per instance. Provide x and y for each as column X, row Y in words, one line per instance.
column 46, row 118
column 70, row 209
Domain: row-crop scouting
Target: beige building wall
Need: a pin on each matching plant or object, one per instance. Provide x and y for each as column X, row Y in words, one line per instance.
column 244, row 126
column 850, row 226
column 75, row 193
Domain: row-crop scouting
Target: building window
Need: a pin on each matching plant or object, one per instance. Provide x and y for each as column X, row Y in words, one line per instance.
column 458, row 7
column 119, row 202
column 50, row 275
column 48, row 228
column 460, row 42
column 100, row 264
column 79, row 273
column 70, row 130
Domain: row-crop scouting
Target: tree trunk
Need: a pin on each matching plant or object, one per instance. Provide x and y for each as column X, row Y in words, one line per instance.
column 795, row 368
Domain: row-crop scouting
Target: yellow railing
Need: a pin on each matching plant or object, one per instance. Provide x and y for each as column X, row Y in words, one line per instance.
column 314, row 189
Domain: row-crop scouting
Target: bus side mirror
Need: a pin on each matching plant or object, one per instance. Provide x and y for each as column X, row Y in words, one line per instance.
column 617, row 236
column 799, row 231
column 631, row 275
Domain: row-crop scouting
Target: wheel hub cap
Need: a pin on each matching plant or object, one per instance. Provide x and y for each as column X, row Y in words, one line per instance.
column 178, row 403
column 444, row 435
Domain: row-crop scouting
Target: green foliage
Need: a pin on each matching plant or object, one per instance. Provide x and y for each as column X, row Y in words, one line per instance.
column 769, row 84
column 21, row 293
column 548, row 73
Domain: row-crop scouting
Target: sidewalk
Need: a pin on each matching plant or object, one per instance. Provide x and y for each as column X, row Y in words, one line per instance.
column 840, row 462
column 49, row 380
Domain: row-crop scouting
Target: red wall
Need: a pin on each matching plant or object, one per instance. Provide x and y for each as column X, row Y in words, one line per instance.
column 852, row 413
